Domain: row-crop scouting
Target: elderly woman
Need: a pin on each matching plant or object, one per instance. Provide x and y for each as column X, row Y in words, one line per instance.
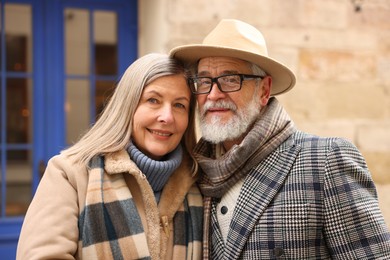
column 126, row 189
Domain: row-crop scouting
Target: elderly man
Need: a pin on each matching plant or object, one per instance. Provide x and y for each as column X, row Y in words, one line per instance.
column 272, row 191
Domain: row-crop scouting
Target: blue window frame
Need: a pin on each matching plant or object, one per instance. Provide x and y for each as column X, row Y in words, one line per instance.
column 43, row 86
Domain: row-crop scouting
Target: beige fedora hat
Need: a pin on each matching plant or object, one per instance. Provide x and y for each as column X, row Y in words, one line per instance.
column 236, row 39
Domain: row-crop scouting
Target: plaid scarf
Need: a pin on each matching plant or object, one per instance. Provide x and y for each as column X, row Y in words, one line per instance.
column 271, row 129
column 110, row 226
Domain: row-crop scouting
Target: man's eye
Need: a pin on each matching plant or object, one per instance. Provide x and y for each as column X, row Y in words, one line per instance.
column 204, row 81
column 231, row 79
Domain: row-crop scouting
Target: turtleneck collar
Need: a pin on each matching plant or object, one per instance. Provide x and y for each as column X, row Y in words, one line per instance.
column 156, row 172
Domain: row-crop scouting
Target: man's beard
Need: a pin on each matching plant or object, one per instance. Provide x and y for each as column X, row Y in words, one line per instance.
column 215, row 131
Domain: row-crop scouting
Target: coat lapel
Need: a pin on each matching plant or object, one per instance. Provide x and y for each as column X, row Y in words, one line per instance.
column 260, row 187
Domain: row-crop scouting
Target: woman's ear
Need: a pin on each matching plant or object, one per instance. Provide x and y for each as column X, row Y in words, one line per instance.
column 265, row 90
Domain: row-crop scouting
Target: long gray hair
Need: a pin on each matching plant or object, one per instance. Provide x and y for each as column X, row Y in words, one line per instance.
column 112, row 131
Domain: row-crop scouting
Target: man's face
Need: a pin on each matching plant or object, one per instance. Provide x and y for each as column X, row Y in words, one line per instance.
column 227, row 116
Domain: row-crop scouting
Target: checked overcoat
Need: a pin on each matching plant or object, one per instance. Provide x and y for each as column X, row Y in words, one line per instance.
column 312, row 198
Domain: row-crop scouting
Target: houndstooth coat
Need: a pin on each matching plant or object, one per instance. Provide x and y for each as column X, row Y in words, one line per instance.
column 312, row 198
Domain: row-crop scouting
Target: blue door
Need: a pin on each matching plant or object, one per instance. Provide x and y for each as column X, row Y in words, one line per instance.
column 59, row 62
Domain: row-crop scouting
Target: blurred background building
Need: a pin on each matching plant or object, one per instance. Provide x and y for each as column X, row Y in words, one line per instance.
column 60, row 59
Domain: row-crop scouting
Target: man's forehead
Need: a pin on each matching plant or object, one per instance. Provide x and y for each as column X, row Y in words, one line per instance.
column 210, row 64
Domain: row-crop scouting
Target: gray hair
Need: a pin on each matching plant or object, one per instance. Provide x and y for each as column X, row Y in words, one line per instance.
column 256, row 70
column 112, row 131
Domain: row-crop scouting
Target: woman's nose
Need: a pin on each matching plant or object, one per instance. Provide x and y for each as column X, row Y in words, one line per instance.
column 166, row 115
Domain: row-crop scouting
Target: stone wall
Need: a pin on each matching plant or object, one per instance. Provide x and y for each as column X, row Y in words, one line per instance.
column 340, row 53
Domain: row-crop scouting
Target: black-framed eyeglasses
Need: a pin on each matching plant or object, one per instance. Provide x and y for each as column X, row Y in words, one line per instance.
column 225, row 83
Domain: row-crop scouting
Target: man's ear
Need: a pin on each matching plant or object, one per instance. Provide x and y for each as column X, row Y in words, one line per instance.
column 265, row 90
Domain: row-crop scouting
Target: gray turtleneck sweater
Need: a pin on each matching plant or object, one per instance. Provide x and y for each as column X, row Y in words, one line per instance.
column 157, row 172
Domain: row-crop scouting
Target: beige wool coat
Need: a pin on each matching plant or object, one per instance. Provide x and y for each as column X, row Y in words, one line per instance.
column 50, row 229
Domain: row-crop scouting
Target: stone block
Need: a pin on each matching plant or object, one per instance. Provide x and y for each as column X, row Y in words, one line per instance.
column 379, row 165
column 336, row 101
column 354, row 101
column 303, row 102
column 374, row 137
column 374, row 15
column 383, row 191
column 384, row 68
column 336, row 65
column 342, row 129
column 320, row 14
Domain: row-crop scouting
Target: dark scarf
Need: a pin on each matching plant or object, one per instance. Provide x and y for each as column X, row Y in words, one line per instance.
column 272, row 128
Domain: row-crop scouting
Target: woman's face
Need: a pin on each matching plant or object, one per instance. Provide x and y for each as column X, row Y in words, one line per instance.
column 161, row 117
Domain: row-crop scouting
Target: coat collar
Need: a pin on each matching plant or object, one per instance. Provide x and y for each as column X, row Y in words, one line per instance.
column 119, row 162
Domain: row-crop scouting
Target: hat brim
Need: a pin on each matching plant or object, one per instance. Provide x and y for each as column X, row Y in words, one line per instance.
column 283, row 79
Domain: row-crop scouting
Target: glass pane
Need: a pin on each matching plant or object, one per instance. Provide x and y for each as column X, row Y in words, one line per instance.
column 77, row 108
column 18, row 26
column 106, row 43
column 1, row 110
column 19, row 182
column 19, row 110
column 2, row 200
column 77, row 41
column 104, row 90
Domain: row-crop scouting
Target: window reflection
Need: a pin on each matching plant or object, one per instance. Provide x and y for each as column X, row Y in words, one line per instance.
column 18, row 32
column 106, row 61
column 77, row 108
column 16, row 110
column 19, row 114
column 77, row 41
column 105, row 40
column 19, row 180
column 16, row 53
column 87, row 91
column 104, row 90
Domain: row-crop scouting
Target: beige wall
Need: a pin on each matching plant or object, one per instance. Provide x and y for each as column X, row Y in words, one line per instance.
column 154, row 26
column 341, row 59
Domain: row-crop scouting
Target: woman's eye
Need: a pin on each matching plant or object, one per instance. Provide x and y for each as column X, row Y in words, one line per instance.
column 179, row 105
column 152, row 100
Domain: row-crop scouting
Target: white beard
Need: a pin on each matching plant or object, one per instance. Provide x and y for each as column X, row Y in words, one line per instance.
column 214, row 131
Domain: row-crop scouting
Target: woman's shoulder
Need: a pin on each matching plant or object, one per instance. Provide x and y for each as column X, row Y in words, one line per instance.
column 63, row 165
column 64, row 161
